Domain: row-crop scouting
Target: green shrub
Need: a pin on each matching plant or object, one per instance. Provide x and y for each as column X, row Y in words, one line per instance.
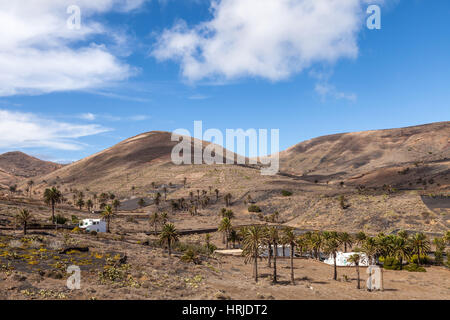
column 286, row 193
column 184, row 247
column 391, row 264
column 439, row 258
column 210, row 248
column 423, row 259
column 190, row 256
column 61, row 219
column 448, row 259
column 254, row 208
column 412, row 267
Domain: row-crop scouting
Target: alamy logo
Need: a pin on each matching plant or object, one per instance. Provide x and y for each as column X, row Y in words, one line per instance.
column 374, row 281
column 74, row 281
column 74, row 20
column 374, row 20
column 236, row 143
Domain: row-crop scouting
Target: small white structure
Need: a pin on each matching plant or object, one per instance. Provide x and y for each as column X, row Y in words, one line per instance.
column 89, row 225
column 287, row 251
column 342, row 259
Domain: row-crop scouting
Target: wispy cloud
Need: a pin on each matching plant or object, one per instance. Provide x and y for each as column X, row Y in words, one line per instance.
column 139, row 117
column 113, row 95
column 88, row 116
column 108, row 117
column 29, row 130
column 326, row 90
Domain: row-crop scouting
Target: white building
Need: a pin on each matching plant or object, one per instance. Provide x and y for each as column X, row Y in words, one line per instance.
column 342, row 259
column 89, row 225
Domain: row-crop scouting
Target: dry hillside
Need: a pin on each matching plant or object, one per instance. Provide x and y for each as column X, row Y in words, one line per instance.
column 16, row 166
column 386, row 175
column 395, row 156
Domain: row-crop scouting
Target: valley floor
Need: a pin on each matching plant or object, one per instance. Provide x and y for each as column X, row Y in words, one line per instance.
column 149, row 273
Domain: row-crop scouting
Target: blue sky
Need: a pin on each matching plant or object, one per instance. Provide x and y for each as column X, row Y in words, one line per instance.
column 137, row 66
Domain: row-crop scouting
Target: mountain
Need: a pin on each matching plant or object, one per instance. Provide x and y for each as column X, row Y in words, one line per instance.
column 16, row 166
column 134, row 162
column 394, row 156
column 414, row 158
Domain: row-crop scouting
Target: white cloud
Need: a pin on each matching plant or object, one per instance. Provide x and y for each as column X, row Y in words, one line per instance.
column 26, row 130
column 272, row 39
column 107, row 117
column 326, row 90
column 88, row 116
column 40, row 54
column 139, row 117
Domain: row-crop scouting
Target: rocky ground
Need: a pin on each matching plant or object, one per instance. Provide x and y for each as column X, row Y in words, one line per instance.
column 136, row 267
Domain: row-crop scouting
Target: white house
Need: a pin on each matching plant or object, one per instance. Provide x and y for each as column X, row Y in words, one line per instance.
column 342, row 259
column 89, row 225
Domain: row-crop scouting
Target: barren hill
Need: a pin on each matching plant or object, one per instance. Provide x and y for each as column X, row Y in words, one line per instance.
column 16, row 166
column 378, row 157
column 134, row 162
column 140, row 166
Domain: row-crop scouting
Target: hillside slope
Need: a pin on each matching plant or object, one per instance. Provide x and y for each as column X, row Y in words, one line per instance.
column 134, row 162
column 380, row 154
column 17, row 166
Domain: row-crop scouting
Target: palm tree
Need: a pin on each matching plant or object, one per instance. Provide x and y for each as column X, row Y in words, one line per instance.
column 13, row 188
column 23, row 217
column 253, row 239
column 108, row 214
column 369, row 247
column 80, row 203
column 154, row 220
column 316, row 243
column 164, row 218
column 141, row 203
column 52, row 197
column 346, row 240
column 354, row 258
column 290, row 238
column 420, row 245
column 360, row 238
column 157, row 198
column 233, row 237
column 331, row 247
column 227, row 213
column 302, row 244
column 208, row 242
column 400, row 250
column 447, row 237
column 273, row 237
column 384, row 245
column 217, row 194
column 169, row 234
column 403, row 234
column 225, row 227
column 89, row 204
column 30, row 184
column 103, row 197
column 228, row 197
column 116, row 204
